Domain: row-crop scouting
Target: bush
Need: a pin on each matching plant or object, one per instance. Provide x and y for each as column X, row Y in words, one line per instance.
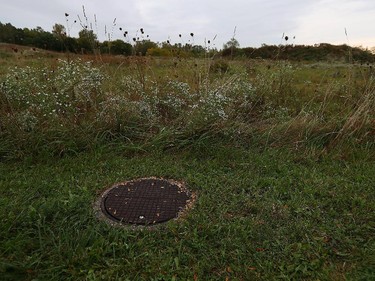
column 159, row 52
column 219, row 66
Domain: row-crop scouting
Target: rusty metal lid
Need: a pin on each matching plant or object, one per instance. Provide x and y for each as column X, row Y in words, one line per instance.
column 145, row 201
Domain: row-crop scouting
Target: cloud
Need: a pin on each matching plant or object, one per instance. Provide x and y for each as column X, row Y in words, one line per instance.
column 328, row 19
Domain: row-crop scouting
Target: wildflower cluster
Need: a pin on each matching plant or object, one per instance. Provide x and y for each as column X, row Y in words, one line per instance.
column 173, row 99
column 175, row 102
column 127, row 105
column 70, row 99
column 65, row 90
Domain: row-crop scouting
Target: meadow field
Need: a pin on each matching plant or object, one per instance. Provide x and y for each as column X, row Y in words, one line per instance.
column 280, row 153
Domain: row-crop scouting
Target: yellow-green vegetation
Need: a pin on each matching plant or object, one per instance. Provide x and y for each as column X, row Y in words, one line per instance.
column 281, row 155
column 72, row 104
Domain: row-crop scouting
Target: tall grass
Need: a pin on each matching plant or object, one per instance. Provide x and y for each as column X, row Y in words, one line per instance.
column 64, row 106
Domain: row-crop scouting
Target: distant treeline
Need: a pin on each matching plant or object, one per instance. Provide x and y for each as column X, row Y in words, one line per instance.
column 318, row 52
column 58, row 40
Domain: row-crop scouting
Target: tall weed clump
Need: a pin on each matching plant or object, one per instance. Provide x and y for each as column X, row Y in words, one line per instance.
column 275, row 83
column 73, row 105
column 339, row 112
column 346, row 114
column 48, row 107
column 66, row 107
column 177, row 109
column 359, row 122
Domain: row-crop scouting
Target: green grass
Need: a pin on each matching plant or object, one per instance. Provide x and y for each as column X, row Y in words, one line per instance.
column 53, row 107
column 259, row 215
column 281, row 156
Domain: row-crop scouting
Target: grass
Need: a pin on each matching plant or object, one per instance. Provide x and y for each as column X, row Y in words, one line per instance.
column 57, row 106
column 259, row 215
column 281, row 156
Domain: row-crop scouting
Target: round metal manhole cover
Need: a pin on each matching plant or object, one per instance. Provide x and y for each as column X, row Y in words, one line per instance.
column 145, row 201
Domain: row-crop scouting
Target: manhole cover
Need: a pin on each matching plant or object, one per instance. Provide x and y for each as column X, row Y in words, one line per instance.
column 145, row 201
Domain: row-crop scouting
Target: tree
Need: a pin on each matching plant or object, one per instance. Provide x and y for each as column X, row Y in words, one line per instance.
column 71, row 44
column 59, row 32
column 87, row 40
column 230, row 47
column 231, row 44
column 198, row 51
column 10, row 34
column 117, row 47
column 141, row 47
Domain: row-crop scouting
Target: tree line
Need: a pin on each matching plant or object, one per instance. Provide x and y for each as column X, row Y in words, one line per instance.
column 87, row 42
column 317, row 52
column 59, row 41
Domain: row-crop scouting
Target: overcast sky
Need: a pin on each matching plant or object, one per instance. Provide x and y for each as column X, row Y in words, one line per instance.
column 251, row 22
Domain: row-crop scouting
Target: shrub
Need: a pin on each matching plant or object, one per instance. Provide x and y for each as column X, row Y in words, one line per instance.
column 219, row 66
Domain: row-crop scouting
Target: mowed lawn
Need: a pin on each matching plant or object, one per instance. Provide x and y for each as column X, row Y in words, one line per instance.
column 260, row 214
